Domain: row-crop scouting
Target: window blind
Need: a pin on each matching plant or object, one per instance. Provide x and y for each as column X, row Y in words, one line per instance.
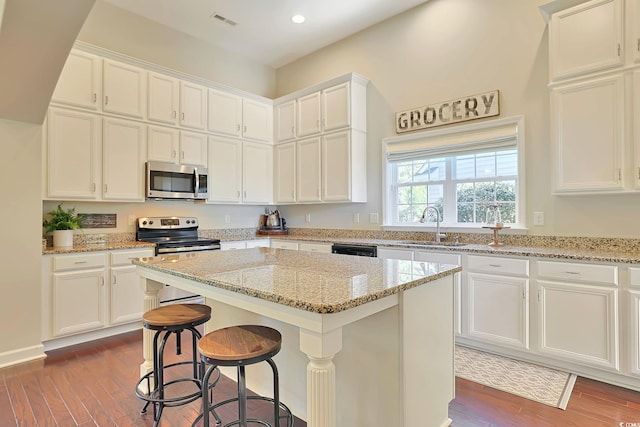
column 453, row 144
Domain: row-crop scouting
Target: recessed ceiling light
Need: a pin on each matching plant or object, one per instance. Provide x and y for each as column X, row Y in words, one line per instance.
column 298, row 19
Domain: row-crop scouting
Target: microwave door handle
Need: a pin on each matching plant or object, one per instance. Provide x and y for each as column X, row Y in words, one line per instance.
column 197, row 181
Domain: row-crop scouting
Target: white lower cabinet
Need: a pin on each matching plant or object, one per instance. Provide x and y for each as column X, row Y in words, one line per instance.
column 284, row 244
column 634, row 331
column 578, row 312
column 78, row 295
column 315, row 247
column 244, row 244
column 126, row 294
column 84, row 293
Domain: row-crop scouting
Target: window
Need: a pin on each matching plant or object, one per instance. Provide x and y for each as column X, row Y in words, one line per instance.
column 461, row 173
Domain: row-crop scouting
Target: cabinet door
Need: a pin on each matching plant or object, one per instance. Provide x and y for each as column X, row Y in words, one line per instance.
column 78, row 301
column 578, row 323
column 193, row 105
column 308, row 170
column 225, row 170
column 394, row 253
column 257, row 120
column 193, row 148
column 228, row 246
column 285, row 173
column 127, row 296
column 499, row 309
column 588, row 131
column 283, row 244
column 162, row 105
column 225, row 113
column 585, row 38
column 258, row 243
column 286, row 121
column 72, row 154
column 80, row 83
column 309, row 114
column 123, row 157
column 634, row 300
column 124, row 89
column 324, row 248
column 336, row 167
column 257, row 172
column 336, row 107
column 636, row 124
column 163, row 144
column 635, row 38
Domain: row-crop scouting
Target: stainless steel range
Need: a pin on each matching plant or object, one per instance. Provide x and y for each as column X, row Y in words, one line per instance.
column 174, row 235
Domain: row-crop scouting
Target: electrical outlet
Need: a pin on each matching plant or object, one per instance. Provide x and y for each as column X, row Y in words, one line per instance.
column 132, row 220
column 538, row 218
column 227, row 219
column 307, row 218
column 373, row 217
column 356, row 218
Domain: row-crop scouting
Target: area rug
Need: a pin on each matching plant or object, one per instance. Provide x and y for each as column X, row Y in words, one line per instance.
column 523, row 379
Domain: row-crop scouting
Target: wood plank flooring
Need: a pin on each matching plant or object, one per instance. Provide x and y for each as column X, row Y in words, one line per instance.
column 92, row 384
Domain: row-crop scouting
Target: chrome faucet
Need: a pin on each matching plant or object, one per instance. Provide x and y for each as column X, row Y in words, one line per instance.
column 439, row 236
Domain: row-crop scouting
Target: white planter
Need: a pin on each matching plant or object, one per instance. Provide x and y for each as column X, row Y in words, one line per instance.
column 63, row 238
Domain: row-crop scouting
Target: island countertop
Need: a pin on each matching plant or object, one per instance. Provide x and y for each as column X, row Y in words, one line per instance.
column 314, row 282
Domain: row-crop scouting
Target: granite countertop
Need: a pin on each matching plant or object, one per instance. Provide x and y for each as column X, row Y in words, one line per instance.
column 606, row 254
column 315, row 282
column 107, row 246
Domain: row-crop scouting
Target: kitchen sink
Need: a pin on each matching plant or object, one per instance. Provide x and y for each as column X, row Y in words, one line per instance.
column 429, row 243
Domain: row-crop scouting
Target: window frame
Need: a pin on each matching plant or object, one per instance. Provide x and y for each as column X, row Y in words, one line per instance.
column 419, row 140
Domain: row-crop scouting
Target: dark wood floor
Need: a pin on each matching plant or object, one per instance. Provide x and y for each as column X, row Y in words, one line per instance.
column 93, row 384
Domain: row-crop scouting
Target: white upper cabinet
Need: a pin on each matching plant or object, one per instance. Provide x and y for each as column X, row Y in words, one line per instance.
column 225, row 113
column 587, row 130
column 585, row 38
column 125, row 89
column 309, row 114
column 225, row 170
column 164, row 144
column 309, row 155
column 193, row 148
column 163, row 101
column 344, row 167
column 240, row 171
column 193, row 105
column 123, row 157
column 257, row 120
column 80, row 83
column 285, row 121
column 72, row 155
column 257, row 172
column 233, row 115
column 285, row 173
column 336, row 107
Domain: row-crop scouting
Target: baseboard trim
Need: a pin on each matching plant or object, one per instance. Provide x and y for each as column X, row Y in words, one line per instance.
column 22, row 355
column 61, row 342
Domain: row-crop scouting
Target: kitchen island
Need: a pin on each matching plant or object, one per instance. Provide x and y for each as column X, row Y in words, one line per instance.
column 366, row 341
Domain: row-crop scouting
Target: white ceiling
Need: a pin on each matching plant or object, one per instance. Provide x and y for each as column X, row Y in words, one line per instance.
column 264, row 31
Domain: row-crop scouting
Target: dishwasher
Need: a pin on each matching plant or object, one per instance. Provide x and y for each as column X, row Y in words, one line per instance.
column 357, row 250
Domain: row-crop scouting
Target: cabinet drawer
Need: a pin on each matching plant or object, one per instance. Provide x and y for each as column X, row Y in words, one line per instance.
column 489, row 264
column 440, row 258
column 568, row 271
column 76, row 262
column 281, row 244
column 315, row 247
column 124, row 257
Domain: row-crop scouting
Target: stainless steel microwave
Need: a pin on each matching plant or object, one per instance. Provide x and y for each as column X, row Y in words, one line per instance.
column 169, row 181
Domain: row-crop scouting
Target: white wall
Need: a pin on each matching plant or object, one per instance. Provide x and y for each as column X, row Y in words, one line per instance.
column 116, row 29
column 21, row 247
column 447, row 49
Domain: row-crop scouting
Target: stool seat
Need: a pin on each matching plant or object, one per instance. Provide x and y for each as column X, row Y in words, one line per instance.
column 244, row 345
column 173, row 315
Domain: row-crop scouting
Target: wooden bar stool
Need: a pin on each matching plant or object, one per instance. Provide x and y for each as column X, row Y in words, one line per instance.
column 241, row 346
column 173, row 319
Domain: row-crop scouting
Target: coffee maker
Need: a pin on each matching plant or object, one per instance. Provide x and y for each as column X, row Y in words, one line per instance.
column 271, row 223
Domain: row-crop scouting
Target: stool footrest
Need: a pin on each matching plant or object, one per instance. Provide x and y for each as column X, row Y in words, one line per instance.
column 288, row 415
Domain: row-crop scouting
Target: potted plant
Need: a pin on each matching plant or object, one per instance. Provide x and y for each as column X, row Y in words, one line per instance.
column 62, row 224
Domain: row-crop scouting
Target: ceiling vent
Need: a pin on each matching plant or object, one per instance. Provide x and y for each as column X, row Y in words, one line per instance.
column 224, row 19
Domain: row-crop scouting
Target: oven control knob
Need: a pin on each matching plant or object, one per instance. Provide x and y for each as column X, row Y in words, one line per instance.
column 144, row 222
column 150, row 222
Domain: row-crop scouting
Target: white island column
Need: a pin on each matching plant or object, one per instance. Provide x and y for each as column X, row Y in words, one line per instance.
column 151, row 290
column 321, row 348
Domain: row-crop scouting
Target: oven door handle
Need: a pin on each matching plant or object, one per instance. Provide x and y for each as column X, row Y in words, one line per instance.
column 196, row 178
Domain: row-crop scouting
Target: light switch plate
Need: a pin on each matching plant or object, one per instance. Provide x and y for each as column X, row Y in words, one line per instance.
column 538, row 218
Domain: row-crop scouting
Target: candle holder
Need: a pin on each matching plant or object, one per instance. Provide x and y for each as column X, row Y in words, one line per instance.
column 496, row 242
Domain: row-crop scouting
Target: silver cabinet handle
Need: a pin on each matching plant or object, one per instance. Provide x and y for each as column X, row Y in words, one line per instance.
column 93, row 187
column 182, row 116
column 106, row 99
column 238, row 127
column 574, row 273
column 105, row 188
column 115, row 281
column 173, row 154
column 95, row 97
column 495, row 265
column 245, row 128
column 238, row 194
column 174, row 115
column 80, row 262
